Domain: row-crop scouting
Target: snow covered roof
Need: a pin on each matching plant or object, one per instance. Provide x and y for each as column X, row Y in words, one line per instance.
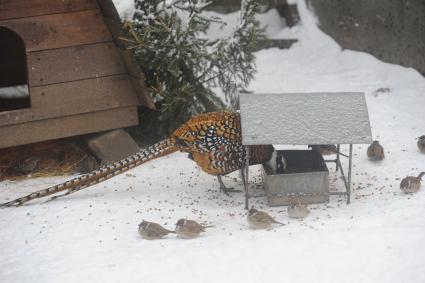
column 305, row 118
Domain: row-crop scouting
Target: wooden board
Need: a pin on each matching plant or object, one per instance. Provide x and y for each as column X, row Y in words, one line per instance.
column 12, row 9
column 142, row 92
column 67, row 126
column 60, row 30
column 116, row 29
column 133, row 68
column 72, row 98
column 74, row 63
column 137, row 78
column 108, row 10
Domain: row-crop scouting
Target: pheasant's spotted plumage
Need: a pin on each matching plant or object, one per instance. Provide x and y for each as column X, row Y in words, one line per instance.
column 213, row 140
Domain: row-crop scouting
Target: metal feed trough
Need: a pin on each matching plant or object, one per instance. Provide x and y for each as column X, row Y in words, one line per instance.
column 306, row 177
column 303, row 119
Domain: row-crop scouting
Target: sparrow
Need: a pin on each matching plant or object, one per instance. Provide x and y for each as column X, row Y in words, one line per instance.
column 28, row 165
column 411, row 184
column 188, row 229
column 421, row 143
column 152, row 230
column 298, row 209
column 260, row 219
column 375, row 151
column 325, row 149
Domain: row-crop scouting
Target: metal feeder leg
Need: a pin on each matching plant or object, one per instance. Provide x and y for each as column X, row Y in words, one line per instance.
column 346, row 179
column 350, row 163
column 245, row 170
column 337, row 157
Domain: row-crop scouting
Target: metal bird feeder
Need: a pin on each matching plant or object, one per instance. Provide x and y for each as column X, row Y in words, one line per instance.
column 303, row 119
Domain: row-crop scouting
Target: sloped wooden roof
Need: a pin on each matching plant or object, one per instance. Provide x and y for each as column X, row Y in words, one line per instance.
column 81, row 77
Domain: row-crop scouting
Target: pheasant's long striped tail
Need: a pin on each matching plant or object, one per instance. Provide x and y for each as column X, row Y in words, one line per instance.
column 106, row 172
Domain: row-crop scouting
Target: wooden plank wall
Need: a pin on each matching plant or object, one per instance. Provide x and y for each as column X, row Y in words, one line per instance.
column 64, row 99
column 60, row 30
column 74, row 63
column 15, row 9
column 75, row 71
column 42, row 130
column 137, row 77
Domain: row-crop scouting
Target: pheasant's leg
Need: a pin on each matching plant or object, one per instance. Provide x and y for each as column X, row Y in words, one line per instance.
column 224, row 189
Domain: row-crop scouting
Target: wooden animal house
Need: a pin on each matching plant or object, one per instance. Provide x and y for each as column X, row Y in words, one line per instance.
column 64, row 71
column 303, row 119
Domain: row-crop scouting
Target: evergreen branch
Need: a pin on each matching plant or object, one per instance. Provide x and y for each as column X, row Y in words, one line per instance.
column 182, row 70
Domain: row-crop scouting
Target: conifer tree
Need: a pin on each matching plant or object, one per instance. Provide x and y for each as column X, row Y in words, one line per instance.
column 186, row 72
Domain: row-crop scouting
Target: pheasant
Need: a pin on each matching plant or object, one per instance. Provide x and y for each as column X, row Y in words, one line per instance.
column 213, row 140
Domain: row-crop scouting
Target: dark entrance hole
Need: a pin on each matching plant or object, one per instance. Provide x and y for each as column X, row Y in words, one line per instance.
column 14, row 91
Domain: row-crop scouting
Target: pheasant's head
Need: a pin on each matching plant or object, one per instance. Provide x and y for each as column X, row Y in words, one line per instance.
column 277, row 162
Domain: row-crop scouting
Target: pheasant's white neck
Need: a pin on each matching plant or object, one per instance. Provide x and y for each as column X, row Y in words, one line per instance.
column 277, row 162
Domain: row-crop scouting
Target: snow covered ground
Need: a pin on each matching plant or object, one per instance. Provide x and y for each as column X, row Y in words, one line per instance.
column 15, row 91
column 380, row 237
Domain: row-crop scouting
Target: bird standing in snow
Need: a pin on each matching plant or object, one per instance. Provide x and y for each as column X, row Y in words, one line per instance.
column 28, row 165
column 213, row 140
column 298, row 209
column 411, row 184
column 375, row 151
column 188, row 229
column 260, row 219
column 152, row 231
column 421, row 143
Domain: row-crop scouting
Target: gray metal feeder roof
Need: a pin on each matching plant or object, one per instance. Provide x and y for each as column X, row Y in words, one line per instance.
column 305, row 118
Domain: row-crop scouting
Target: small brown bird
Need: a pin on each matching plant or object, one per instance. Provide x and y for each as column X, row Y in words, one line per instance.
column 411, row 184
column 260, row 219
column 28, row 165
column 325, row 149
column 298, row 209
column 421, row 143
column 188, row 229
column 152, row 230
column 375, row 151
